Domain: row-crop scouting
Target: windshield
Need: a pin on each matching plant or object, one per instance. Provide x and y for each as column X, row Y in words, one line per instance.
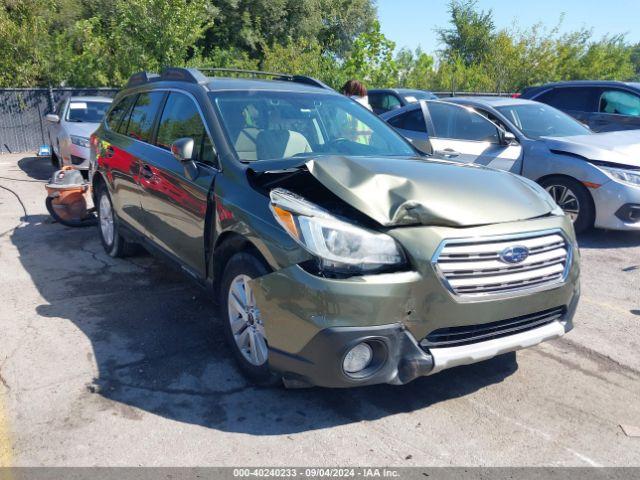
column 417, row 95
column 276, row 125
column 87, row 112
column 539, row 120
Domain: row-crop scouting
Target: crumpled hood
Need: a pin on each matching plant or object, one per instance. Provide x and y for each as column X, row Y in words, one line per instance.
column 415, row 191
column 615, row 147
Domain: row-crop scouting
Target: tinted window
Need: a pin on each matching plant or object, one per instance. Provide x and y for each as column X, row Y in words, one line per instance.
column 455, row 122
column 579, row 99
column 118, row 112
column 180, row 119
column 276, row 125
column 539, row 120
column 412, row 120
column 140, row 123
column 384, row 102
column 618, row 102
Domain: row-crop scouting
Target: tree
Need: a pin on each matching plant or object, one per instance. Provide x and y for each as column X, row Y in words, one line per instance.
column 371, row 59
column 415, row 69
column 471, row 35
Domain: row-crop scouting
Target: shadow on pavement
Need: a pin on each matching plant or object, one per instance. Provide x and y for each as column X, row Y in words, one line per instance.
column 37, row 168
column 606, row 239
column 159, row 348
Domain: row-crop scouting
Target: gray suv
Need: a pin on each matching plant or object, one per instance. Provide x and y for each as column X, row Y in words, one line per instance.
column 604, row 106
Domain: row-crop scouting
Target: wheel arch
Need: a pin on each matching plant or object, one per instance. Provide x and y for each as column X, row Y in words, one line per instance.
column 561, row 176
column 226, row 246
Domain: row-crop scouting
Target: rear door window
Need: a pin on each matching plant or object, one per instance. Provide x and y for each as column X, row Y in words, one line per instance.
column 458, row 123
column 412, row 121
column 578, row 99
column 117, row 113
column 181, row 119
column 619, row 102
column 140, row 125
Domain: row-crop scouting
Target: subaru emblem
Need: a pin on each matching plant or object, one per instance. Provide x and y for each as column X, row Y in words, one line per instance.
column 515, row 254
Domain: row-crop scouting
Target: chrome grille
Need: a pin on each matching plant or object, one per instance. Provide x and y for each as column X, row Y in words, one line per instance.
column 474, row 267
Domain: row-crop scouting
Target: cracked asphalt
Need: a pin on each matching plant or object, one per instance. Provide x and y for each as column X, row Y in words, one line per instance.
column 122, row 363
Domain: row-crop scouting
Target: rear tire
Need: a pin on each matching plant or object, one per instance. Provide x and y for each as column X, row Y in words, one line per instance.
column 243, row 325
column 114, row 244
column 574, row 199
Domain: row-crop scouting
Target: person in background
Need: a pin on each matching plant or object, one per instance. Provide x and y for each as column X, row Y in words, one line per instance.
column 357, row 91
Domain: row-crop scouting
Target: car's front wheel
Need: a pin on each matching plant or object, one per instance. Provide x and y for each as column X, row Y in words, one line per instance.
column 574, row 199
column 242, row 319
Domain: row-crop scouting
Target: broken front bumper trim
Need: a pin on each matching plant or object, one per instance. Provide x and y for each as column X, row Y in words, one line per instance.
column 320, row 362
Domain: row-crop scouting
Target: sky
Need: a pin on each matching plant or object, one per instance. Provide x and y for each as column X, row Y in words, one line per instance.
column 412, row 23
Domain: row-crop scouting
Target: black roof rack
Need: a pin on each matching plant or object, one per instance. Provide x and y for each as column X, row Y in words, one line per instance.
column 141, row 78
column 195, row 75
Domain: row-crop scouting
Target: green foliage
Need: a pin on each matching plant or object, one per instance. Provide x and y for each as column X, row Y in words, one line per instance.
column 102, row 42
column 371, row 59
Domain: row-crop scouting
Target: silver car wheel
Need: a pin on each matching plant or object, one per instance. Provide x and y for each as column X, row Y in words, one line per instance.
column 106, row 220
column 566, row 200
column 246, row 325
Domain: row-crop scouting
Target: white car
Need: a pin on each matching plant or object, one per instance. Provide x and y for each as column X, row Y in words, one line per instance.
column 73, row 122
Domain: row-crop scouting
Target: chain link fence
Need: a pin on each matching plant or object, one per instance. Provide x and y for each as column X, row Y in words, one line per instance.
column 22, row 111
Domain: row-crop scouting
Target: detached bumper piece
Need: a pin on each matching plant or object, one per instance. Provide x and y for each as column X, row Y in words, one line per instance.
column 399, row 359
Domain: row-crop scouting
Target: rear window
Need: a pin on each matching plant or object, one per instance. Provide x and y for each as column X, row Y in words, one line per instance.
column 144, row 112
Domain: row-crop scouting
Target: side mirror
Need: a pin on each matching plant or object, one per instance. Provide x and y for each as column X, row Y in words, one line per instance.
column 507, row 138
column 182, row 149
column 52, row 117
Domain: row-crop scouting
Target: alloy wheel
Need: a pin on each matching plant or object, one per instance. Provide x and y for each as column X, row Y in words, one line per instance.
column 245, row 321
column 106, row 220
column 566, row 200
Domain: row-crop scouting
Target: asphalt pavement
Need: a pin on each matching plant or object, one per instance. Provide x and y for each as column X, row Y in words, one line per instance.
column 121, row 362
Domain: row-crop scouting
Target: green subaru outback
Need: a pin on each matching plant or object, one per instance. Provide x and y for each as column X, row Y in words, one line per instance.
column 339, row 255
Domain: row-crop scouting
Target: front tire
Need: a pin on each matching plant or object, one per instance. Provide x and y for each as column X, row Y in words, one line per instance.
column 243, row 324
column 114, row 244
column 574, row 199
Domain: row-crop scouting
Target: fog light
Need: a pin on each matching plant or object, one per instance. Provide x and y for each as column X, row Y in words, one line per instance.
column 358, row 358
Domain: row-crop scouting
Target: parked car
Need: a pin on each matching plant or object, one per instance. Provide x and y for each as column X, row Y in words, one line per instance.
column 385, row 99
column 595, row 178
column 70, row 127
column 604, row 106
column 339, row 259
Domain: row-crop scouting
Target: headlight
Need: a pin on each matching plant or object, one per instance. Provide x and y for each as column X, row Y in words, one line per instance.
column 80, row 141
column 338, row 245
column 627, row 176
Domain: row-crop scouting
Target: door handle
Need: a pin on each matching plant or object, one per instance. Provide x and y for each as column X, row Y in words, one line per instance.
column 109, row 152
column 146, row 172
column 449, row 153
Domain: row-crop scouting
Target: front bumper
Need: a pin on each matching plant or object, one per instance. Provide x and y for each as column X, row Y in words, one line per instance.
column 403, row 360
column 610, row 200
column 311, row 322
column 76, row 156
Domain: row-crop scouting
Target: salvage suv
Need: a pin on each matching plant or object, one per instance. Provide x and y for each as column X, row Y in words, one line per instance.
column 340, row 256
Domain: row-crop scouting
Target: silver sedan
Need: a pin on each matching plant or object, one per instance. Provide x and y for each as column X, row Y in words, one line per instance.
column 70, row 127
column 595, row 178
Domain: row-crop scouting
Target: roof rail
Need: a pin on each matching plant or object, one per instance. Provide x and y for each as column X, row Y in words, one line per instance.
column 195, row 75
column 277, row 76
column 140, row 78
